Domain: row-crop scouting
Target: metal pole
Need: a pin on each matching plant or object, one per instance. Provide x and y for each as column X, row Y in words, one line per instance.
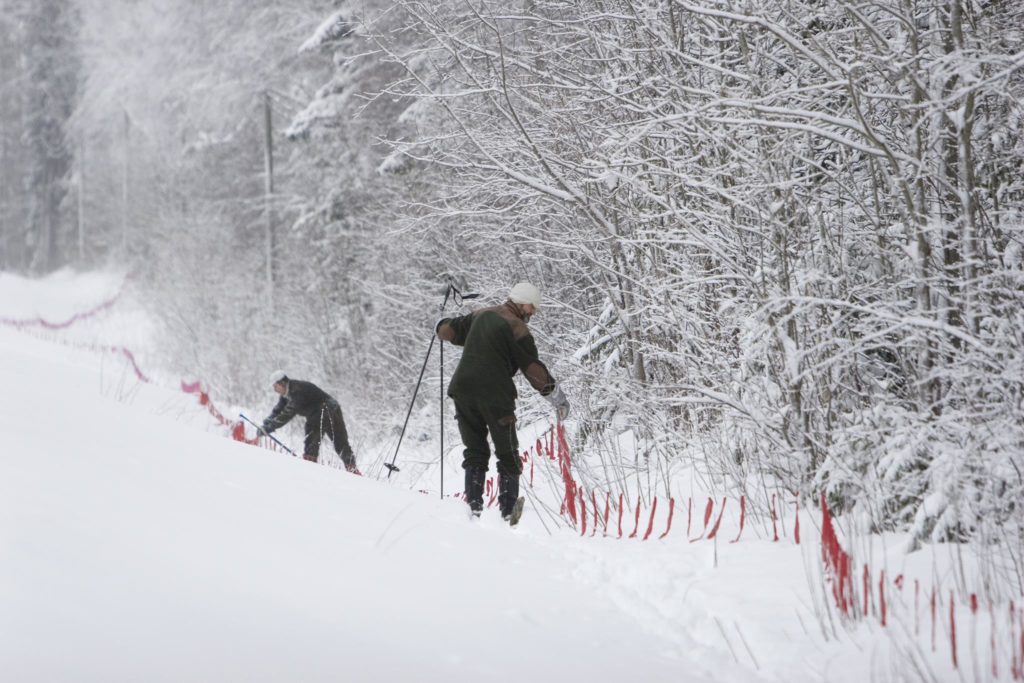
column 81, row 198
column 433, row 335
column 441, row 349
column 269, row 436
column 391, row 465
column 268, row 193
column 124, row 181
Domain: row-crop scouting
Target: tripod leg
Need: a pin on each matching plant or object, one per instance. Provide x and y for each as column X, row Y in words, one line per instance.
column 391, row 466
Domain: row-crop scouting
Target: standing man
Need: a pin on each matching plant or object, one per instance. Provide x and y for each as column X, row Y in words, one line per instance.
column 496, row 344
column 322, row 413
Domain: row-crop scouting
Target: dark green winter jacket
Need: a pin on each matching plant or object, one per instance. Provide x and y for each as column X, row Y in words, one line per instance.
column 496, row 344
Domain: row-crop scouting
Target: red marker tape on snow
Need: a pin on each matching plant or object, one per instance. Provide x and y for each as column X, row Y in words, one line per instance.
column 620, row 515
column 796, row 526
column 952, row 628
column 775, row 527
column 714, row 530
column 743, row 517
column 881, row 596
column 867, row 588
column 636, row 525
column 837, row 560
column 671, row 511
column 650, row 524
column 40, row 322
column 583, row 513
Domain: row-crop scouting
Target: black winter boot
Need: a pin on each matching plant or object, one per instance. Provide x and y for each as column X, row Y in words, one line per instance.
column 508, row 494
column 475, row 489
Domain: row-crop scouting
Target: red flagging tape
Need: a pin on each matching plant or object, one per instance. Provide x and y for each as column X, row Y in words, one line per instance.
column 620, row 515
column 570, row 485
column 837, row 560
column 650, row 523
column 707, row 513
column 881, row 597
column 238, row 434
column 867, row 588
column 796, row 526
column 714, row 530
column 671, row 511
column 775, row 527
column 952, row 628
column 583, row 513
column 593, row 501
column 131, row 359
column 743, row 517
column 40, row 322
column 636, row 525
column 491, row 491
column 237, row 428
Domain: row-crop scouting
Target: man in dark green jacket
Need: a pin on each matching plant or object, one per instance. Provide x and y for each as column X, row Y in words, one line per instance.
column 496, row 344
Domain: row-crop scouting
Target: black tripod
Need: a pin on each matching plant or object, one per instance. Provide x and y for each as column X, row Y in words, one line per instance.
column 451, row 292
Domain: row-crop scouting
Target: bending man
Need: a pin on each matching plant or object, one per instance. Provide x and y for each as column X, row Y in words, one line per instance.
column 322, row 413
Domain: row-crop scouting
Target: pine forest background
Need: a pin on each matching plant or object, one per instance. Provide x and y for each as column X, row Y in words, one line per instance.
column 779, row 240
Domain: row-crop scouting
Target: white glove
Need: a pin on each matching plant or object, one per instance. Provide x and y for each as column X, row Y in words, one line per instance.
column 559, row 402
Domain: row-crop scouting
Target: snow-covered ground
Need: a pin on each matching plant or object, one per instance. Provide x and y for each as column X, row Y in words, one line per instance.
column 138, row 543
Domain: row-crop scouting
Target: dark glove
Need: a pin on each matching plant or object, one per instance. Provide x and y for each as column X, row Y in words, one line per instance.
column 264, row 430
column 559, row 402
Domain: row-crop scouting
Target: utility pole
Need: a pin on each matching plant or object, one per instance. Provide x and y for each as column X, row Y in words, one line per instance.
column 124, row 183
column 81, row 198
column 268, row 162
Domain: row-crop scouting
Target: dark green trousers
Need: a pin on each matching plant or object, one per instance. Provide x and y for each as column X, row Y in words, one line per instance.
column 477, row 420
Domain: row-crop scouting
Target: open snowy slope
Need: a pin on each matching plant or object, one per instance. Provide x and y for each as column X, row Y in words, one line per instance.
column 138, row 543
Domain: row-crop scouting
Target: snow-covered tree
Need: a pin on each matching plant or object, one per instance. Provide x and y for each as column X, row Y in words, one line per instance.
column 41, row 74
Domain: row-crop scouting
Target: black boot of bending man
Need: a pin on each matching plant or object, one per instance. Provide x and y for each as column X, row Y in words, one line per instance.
column 495, row 341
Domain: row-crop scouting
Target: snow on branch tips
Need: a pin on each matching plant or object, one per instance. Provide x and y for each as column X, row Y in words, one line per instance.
column 339, row 25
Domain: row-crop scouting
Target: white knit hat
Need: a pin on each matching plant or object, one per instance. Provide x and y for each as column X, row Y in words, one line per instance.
column 277, row 376
column 525, row 293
